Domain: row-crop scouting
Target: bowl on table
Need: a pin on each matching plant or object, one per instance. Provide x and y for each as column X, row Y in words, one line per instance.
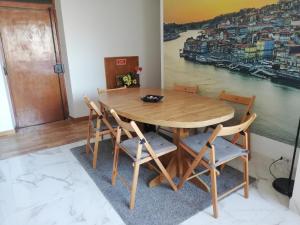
column 152, row 98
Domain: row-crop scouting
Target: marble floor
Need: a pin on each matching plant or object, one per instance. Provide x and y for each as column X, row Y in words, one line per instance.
column 50, row 187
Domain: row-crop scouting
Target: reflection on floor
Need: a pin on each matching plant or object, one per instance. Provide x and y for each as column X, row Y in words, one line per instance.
column 42, row 136
column 51, row 187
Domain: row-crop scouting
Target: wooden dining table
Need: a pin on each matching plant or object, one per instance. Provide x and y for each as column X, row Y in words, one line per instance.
column 178, row 110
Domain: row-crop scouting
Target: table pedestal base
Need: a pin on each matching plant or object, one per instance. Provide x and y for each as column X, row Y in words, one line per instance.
column 178, row 164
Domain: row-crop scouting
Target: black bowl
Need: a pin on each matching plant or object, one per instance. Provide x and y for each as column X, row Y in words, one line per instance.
column 152, row 98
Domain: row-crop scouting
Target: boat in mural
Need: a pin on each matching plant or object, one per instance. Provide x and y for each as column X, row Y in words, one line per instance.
column 170, row 36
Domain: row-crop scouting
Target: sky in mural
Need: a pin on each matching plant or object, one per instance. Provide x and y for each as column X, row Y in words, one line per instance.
column 184, row 11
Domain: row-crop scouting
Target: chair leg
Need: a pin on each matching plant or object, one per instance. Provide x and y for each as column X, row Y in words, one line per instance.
column 214, row 191
column 134, row 185
column 112, row 139
column 88, row 141
column 246, row 176
column 96, row 149
column 249, row 146
column 157, row 129
column 115, row 165
column 205, row 129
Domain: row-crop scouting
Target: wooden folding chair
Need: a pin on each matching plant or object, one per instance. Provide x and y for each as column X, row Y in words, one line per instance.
column 247, row 102
column 180, row 88
column 141, row 149
column 211, row 150
column 98, row 126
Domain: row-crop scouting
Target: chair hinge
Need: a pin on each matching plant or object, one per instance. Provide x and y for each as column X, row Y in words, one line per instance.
column 242, row 133
column 142, row 141
column 208, row 144
column 101, row 117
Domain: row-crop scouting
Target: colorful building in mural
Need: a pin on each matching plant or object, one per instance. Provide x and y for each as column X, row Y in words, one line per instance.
column 265, row 40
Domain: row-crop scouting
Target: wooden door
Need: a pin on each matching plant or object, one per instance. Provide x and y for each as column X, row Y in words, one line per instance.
column 30, row 53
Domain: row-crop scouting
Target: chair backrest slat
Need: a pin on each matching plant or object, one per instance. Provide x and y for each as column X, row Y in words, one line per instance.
column 187, row 89
column 226, row 131
column 242, row 100
column 137, row 130
column 96, row 108
column 101, row 91
column 127, row 127
column 87, row 102
column 92, row 106
column 236, row 99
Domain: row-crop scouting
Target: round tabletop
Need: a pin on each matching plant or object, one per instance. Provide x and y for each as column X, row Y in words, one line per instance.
column 177, row 109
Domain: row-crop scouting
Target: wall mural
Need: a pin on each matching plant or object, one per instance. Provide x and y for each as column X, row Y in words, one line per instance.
column 246, row 47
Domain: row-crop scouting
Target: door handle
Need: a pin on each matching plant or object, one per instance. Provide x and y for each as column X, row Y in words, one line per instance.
column 59, row 68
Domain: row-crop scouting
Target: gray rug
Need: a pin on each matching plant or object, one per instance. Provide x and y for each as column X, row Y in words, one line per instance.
column 159, row 205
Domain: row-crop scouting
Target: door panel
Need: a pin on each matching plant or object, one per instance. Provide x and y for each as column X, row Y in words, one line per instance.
column 30, row 55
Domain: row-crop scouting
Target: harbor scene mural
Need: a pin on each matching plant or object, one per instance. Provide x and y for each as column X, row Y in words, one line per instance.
column 249, row 47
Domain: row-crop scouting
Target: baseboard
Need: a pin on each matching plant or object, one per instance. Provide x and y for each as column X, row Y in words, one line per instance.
column 7, row 133
column 293, row 205
column 83, row 118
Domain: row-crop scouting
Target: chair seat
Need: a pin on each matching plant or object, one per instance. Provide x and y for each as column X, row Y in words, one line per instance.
column 160, row 145
column 103, row 127
column 224, row 150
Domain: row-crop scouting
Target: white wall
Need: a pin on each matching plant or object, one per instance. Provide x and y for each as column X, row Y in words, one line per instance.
column 295, row 201
column 94, row 29
column 271, row 148
column 6, row 118
column 162, row 42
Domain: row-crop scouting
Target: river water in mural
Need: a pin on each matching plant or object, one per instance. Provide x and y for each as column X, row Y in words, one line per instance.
column 277, row 106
